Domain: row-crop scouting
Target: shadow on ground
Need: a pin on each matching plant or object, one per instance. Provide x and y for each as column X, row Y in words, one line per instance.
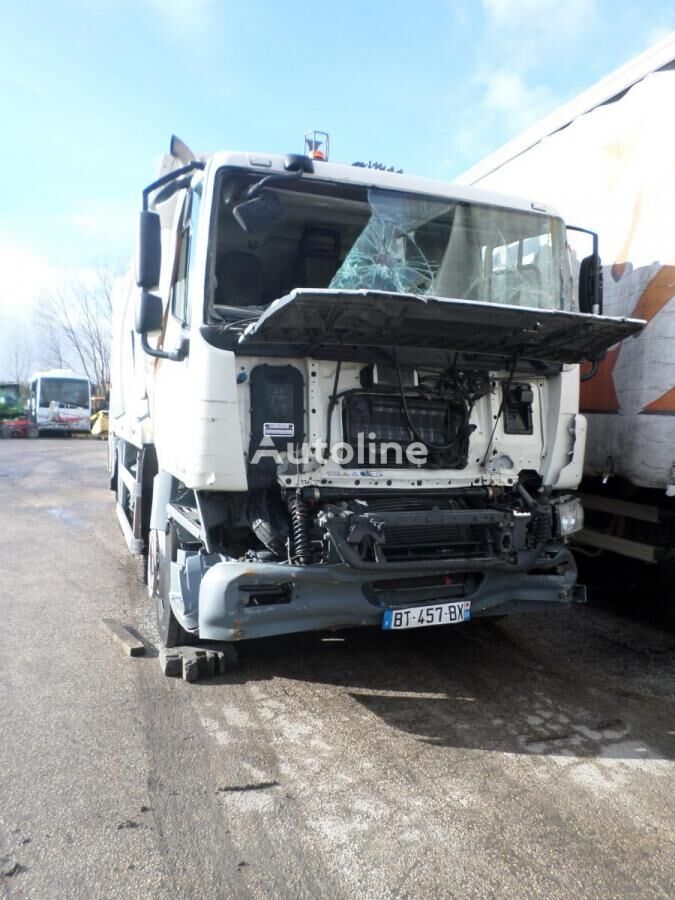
column 528, row 685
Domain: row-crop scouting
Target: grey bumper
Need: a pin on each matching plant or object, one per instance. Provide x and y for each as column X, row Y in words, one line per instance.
column 309, row 598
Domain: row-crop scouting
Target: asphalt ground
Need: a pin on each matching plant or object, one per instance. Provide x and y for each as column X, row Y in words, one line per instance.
column 530, row 758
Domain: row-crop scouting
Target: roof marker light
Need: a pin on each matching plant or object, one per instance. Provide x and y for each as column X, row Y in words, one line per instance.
column 317, row 144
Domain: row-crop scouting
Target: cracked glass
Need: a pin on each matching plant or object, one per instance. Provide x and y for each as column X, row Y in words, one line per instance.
column 427, row 246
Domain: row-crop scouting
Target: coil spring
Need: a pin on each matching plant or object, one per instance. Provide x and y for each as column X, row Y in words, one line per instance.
column 541, row 527
column 300, row 525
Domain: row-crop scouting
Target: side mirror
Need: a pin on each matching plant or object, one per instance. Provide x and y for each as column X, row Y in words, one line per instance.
column 590, row 284
column 148, row 313
column 149, row 316
column 149, row 250
column 258, row 213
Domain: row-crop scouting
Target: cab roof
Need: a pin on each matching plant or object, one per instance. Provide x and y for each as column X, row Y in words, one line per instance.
column 267, row 164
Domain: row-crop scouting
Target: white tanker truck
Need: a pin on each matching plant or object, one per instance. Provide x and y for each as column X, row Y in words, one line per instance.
column 345, row 396
column 607, row 158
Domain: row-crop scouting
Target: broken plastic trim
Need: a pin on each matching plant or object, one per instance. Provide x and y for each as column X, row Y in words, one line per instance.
column 313, row 322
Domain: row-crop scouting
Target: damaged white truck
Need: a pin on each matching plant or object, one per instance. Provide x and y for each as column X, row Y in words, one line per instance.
column 343, row 396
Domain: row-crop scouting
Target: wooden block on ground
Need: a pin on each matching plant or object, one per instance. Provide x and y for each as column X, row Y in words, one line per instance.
column 190, row 668
column 229, row 658
column 194, row 663
column 130, row 644
column 212, row 663
column 171, row 662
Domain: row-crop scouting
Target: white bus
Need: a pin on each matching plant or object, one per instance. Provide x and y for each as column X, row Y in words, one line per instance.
column 60, row 400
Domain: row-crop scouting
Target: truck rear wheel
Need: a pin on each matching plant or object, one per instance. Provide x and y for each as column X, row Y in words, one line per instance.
column 170, row 631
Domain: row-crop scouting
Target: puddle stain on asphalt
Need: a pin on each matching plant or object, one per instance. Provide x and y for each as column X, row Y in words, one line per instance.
column 65, row 516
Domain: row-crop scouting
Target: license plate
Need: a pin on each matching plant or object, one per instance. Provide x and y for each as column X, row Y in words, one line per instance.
column 421, row 616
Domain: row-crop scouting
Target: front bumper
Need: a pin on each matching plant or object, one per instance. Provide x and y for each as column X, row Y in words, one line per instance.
column 320, row 597
column 83, row 426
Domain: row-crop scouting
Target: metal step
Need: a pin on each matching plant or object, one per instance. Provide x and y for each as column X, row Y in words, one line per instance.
column 590, row 538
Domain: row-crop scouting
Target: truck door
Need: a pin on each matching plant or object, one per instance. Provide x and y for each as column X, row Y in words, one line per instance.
column 174, row 396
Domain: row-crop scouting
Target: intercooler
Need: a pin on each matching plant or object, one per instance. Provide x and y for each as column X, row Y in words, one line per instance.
column 423, row 541
column 438, row 534
column 371, row 420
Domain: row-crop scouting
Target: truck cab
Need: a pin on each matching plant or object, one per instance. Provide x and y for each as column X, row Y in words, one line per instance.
column 11, row 405
column 344, row 396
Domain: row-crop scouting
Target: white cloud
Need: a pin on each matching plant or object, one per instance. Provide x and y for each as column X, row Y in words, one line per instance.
column 189, row 23
column 24, row 275
column 659, row 34
column 539, row 15
column 109, row 225
column 27, row 276
column 526, row 35
column 83, row 222
column 505, row 103
column 520, row 43
column 507, row 93
column 186, row 22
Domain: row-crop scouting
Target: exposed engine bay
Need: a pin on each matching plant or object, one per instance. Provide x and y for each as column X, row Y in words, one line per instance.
column 359, row 517
column 480, row 526
column 375, row 486
column 379, row 417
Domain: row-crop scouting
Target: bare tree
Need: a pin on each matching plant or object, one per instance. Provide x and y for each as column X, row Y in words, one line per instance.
column 75, row 321
column 17, row 358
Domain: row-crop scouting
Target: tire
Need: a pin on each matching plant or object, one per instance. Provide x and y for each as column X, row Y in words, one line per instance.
column 112, row 458
column 33, row 432
column 152, row 567
column 171, row 634
column 118, row 483
column 149, row 472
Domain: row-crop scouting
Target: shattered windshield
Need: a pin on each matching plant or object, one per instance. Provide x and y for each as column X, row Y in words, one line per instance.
column 422, row 245
column 386, row 256
column 346, row 236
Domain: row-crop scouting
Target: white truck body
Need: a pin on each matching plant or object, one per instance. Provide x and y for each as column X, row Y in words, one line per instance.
column 264, row 537
column 607, row 159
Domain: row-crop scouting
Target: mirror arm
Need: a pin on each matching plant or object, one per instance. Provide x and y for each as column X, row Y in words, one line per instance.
column 177, row 355
column 170, row 176
column 260, row 186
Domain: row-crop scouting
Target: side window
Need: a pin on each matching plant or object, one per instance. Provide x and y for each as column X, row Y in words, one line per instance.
column 180, row 296
column 179, row 290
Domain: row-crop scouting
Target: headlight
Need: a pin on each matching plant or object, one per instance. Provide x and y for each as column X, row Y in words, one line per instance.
column 570, row 516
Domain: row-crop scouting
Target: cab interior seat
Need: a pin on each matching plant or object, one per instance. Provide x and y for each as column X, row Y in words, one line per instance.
column 319, row 256
column 239, row 280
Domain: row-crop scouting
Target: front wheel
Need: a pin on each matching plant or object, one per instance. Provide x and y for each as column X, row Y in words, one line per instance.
column 152, row 564
column 161, row 552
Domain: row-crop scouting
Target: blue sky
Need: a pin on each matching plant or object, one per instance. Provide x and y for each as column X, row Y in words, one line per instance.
column 91, row 91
